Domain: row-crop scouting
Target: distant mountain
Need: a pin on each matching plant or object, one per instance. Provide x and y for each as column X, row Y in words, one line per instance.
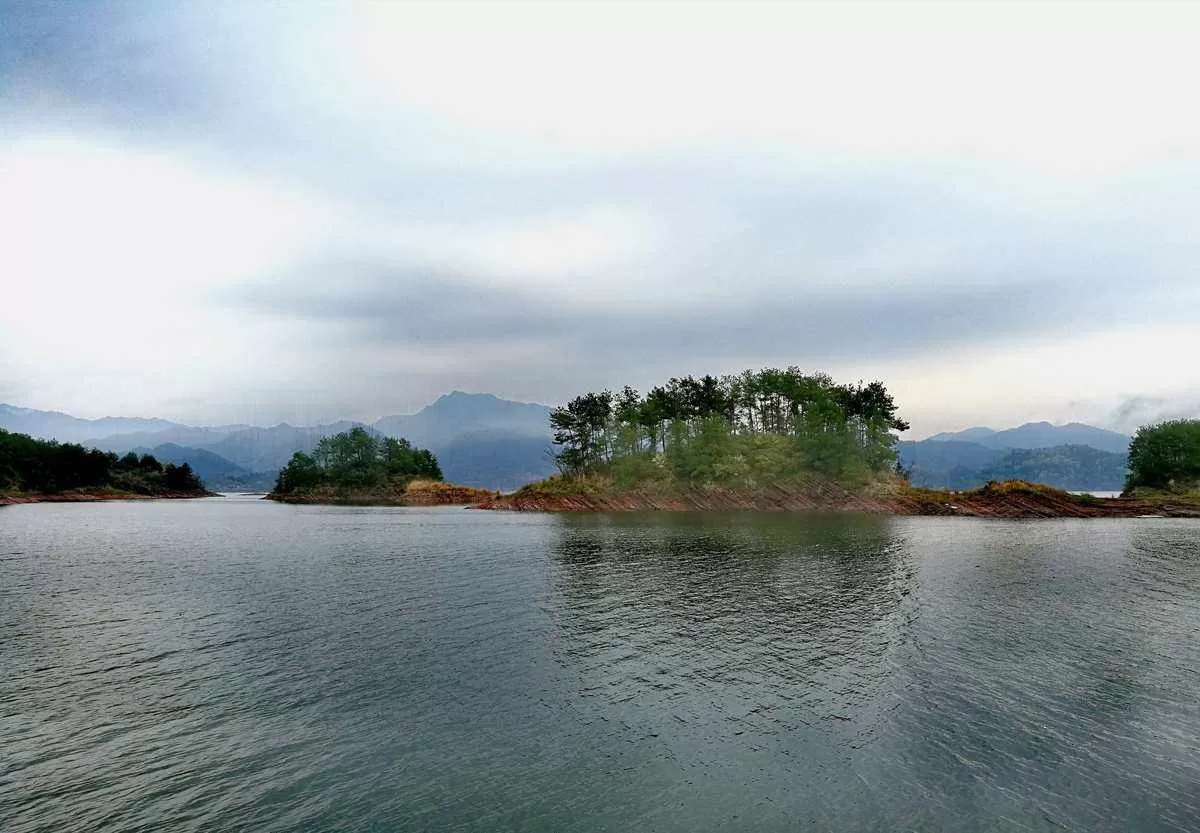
column 953, row 464
column 1073, row 467
column 496, row 461
column 977, row 435
column 55, row 425
column 1042, row 435
column 269, row 449
column 931, row 462
column 217, row 473
column 183, row 435
column 457, row 414
column 480, row 439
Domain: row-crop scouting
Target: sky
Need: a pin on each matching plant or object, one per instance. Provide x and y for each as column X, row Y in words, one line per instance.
column 263, row 212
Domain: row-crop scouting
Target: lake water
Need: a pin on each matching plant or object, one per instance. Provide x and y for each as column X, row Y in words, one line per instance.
column 232, row 664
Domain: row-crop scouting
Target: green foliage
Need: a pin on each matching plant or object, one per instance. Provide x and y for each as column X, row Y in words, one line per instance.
column 357, row 460
column 45, row 466
column 743, row 429
column 1063, row 466
column 1166, row 456
column 180, row 478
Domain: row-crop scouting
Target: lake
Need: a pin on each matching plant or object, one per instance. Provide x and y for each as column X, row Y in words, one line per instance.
column 233, row 664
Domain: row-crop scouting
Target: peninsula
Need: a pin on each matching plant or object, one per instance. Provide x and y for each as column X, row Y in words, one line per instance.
column 35, row 471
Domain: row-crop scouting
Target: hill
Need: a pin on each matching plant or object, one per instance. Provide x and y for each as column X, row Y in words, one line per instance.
column 1041, row 435
column 953, row 464
column 500, row 462
column 459, row 414
column 217, row 473
column 55, row 425
column 33, row 469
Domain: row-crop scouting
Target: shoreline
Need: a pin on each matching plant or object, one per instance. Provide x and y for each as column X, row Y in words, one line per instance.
column 1000, row 500
column 96, row 497
column 426, row 494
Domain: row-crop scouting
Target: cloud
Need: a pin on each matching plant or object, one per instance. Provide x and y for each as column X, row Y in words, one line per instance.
column 1135, row 411
column 532, row 200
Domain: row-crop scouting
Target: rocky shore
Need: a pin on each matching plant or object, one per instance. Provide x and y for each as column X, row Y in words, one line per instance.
column 1016, row 499
column 92, row 496
column 418, row 493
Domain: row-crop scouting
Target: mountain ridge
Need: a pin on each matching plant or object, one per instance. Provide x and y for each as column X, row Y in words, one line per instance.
column 1040, row 435
column 485, row 441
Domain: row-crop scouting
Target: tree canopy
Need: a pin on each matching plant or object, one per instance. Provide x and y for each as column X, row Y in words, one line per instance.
column 1166, row 456
column 747, row 427
column 357, row 460
column 28, row 464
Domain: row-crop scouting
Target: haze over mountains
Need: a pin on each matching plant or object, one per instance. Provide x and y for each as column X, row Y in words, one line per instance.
column 1073, row 456
column 480, row 440
column 488, row 442
column 1042, row 435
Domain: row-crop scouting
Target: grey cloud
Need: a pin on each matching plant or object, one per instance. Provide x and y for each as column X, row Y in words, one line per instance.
column 1135, row 411
column 766, row 259
column 379, row 302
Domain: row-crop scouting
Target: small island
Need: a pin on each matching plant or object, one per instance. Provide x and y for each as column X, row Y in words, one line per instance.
column 789, row 440
column 361, row 468
column 35, row 471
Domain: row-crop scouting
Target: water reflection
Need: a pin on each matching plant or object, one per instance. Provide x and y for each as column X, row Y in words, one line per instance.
column 734, row 638
column 233, row 666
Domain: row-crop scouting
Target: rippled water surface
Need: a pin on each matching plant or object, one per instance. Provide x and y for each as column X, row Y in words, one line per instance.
column 231, row 664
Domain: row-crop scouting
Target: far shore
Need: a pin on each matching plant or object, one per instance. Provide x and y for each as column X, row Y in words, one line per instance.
column 90, row 496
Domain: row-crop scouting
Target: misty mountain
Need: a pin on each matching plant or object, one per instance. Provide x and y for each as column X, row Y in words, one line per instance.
column 953, row 464
column 1041, row 435
column 217, row 473
column 54, row 425
column 480, row 440
column 269, row 449
column 181, row 435
column 931, row 460
column 1077, row 467
column 457, row 414
column 489, row 460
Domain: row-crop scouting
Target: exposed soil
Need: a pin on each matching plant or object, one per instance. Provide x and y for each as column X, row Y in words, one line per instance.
column 87, row 496
column 418, row 493
column 999, row 500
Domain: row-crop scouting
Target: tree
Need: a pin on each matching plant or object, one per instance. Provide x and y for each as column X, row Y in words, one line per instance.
column 301, row 472
column 180, row 478
column 1166, row 455
column 357, row 459
column 755, row 425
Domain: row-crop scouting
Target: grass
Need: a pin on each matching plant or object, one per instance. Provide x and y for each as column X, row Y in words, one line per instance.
column 1189, row 493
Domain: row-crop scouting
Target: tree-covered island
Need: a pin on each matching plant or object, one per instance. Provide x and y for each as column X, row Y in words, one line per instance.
column 40, row 470
column 768, row 439
column 362, row 467
column 738, row 430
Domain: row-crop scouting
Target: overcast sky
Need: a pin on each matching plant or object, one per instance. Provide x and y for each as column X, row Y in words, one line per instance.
column 259, row 212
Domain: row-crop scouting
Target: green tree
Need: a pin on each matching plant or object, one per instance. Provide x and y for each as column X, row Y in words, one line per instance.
column 357, row 459
column 1166, row 455
column 709, row 428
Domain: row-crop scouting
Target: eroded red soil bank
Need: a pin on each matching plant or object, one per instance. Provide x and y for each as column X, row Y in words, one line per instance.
column 999, row 501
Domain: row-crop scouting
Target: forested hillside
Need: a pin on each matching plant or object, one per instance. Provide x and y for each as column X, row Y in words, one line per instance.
column 948, row 464
column 42, row 467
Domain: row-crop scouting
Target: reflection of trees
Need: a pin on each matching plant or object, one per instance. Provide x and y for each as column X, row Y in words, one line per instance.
column 751, row 612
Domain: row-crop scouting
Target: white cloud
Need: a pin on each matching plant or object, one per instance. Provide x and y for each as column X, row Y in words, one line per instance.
column 1070, row 88
column 677, row 159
